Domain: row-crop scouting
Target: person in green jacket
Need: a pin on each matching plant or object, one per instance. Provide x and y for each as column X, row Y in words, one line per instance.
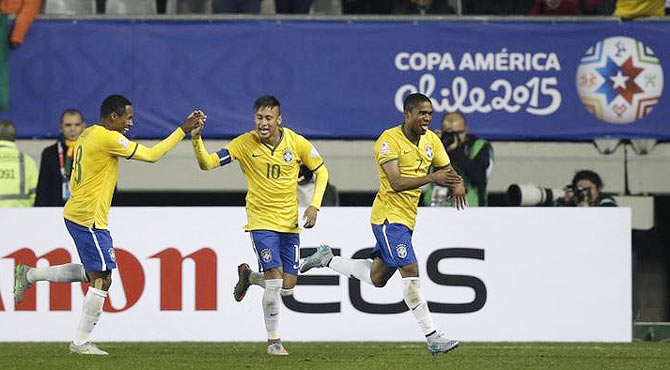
column 18, row 171
column 471, row 156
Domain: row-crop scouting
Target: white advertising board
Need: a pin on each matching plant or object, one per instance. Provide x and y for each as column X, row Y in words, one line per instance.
column 490, row 274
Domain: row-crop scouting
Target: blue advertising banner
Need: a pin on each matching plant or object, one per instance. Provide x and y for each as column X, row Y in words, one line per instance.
column 338, row 79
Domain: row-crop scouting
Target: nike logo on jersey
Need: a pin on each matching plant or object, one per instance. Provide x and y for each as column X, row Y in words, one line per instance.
column 254, row 155
column 406, row 151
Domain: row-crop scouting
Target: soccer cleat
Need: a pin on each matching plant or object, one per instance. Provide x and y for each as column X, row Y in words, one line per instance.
column 87, row 348
column 438, row 343
column 275, row 348
column 21, row 283
column 320, row 258
column 240, row 290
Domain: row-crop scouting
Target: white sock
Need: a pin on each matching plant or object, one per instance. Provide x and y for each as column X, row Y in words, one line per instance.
column 90, row 314
column 286, row 292
column 257, row 278
column 414, row 299
column 360, row 269
column 271, row 307
column 57, row 274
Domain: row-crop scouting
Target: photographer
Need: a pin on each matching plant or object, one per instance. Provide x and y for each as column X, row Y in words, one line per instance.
column 471, row 156
column 584, row 191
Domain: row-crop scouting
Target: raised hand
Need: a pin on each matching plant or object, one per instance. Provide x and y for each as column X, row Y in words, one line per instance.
column 193, row 121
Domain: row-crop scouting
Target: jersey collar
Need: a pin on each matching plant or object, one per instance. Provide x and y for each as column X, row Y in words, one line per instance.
column 272, row 149
column 402, row 129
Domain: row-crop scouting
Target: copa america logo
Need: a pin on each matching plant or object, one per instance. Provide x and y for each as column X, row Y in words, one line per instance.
column 619, row 80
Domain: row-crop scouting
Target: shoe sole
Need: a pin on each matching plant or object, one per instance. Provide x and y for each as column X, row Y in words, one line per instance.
column 240, row 290
column 435, row 352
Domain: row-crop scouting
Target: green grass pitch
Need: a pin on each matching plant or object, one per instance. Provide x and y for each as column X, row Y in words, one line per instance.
column 340, row 355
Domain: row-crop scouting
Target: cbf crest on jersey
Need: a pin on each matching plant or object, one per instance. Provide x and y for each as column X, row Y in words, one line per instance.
column 619, row 80
column 288, row 156
column 401, row 249
column 429, row 151
column 266, row 255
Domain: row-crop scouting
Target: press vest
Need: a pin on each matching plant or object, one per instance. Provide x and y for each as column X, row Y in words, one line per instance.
column 18, row 176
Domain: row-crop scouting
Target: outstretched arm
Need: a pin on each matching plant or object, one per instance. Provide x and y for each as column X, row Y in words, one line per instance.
column 207, row 160
column 156, row 152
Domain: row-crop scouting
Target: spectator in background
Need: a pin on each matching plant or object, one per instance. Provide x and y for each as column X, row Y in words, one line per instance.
column 53, row 186
column 497, row 7
column 598, row 7
column 471, row 156
column 422, row 7
column 629, row 9
column 25, row 11
column 236, row 6
column 18, row 171
column 556, row 7
column 584, row 191
column 366, row 6
column 293, row 6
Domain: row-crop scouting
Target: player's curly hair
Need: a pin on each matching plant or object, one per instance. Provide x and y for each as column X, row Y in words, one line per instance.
column 413, row 100
column 113, row 103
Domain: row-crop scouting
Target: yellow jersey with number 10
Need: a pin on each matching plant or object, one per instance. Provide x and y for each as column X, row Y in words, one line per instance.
column 413, row 161
column 272, row 178
column 94, row 173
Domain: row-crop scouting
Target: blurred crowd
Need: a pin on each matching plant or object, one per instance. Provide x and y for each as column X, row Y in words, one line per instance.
column 26, row 10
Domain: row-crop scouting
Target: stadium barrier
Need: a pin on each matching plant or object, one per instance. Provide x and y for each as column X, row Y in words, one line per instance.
column 496, row 274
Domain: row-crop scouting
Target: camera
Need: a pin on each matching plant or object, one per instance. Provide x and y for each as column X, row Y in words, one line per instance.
column 448, row 138
column 580, row 194
column 532, row 195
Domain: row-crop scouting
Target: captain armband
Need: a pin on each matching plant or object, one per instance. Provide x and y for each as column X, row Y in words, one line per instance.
column 224, row 157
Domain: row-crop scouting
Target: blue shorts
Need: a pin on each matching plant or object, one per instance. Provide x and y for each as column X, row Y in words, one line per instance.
column 274, row 249
column 94, row 246
column 394, row 244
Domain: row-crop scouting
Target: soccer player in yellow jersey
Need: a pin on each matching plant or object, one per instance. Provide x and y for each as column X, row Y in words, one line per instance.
column 404, row 156
column 94, row 173
column 270, row 157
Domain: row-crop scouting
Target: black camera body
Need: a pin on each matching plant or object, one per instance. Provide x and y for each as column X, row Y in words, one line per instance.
column 581, row 194
column 447, row 138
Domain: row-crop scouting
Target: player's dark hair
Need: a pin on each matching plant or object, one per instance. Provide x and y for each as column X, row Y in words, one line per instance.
column 113, row 103
column 71, row 111
column 587, row 175
column 266, row 101
column 413, row 100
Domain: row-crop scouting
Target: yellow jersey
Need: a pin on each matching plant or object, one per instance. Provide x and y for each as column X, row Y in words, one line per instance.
column 272, row 178
column 94, row 174
column 639, row 8
column 413, row 161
